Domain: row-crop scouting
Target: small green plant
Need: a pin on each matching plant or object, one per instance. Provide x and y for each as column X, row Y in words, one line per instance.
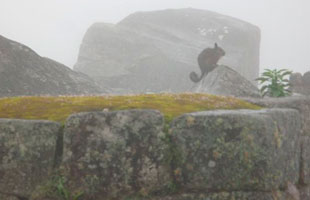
column 274, row 83
column 63, row 192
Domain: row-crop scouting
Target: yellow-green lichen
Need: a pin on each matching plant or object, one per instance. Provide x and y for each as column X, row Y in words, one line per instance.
column 59, row 108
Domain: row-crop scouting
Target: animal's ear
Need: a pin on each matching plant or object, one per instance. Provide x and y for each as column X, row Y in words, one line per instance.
column 215, row 45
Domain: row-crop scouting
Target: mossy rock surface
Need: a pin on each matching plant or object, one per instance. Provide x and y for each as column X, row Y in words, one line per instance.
column 59, row 108
column 26, row 154
column 237, row 150
column 114, row 153
column 302, row 104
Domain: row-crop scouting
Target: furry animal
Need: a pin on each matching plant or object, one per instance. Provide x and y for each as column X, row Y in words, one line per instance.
column 207, row 61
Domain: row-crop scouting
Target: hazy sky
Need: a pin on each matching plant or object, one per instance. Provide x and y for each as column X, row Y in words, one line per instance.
column 55, row 28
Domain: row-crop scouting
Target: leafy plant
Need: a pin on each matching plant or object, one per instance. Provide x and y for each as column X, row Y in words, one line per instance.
column 63, row 192
column 274, row 83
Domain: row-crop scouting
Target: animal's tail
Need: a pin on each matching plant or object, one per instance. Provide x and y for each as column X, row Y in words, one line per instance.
column 194, row 77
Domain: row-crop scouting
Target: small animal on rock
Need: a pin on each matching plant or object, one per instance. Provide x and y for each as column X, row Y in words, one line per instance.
column 207, row 61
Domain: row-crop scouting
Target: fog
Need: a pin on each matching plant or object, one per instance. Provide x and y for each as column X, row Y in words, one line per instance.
column 55, row 28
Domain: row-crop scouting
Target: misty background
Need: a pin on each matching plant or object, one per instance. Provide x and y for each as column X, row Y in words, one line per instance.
column 55, row 28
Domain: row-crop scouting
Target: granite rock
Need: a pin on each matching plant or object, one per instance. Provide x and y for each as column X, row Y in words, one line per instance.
column 156, row 51
column 226, row 81
column 27, row 151
column 24, row 73
column 114, row 153
column 238, row 150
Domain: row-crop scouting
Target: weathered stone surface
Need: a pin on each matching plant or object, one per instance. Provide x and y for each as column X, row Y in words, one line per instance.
column 156, row 51
column 114, row 153
column 306, row 81
column 300, row 103
column 305, row 160
column 24, row 72
column 300, row 84
column 27, row 151
column 296, row 83
column 304, row 192
column 238, row 150
column 277, row 195
column 292, row 192
column 226, row 81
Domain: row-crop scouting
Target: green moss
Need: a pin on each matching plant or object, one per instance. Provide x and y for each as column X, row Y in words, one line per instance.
column 59, row 108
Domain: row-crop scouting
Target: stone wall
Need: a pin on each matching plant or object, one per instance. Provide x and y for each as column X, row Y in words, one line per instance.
column 135, row 154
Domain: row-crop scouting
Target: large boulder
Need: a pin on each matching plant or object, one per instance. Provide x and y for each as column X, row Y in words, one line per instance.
column 27, row 151
column 24, row 72
column 226, row 81
column 110, row 154
column 156, row 51
column 242, row 150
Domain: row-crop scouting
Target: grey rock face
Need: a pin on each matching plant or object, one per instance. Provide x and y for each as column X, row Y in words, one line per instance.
column 305, row 193
column 27, row 151
column 306, row 81
column 114, row 153
column 300, row 83
column 296, row 83
column 227, row 196
column 156, row 51
column 23, row 72
column 238, row 150
column 305, row 160
column 225, row 81
column 302, row 104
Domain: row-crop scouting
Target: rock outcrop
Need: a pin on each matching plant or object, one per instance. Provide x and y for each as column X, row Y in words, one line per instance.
column 156, row 51
column 226, row 81
column 24, row 72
